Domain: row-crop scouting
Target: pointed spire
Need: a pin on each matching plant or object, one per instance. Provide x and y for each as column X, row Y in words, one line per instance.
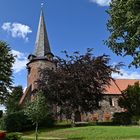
column 42, row 47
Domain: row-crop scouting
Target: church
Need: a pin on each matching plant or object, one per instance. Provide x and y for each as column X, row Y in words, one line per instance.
column 43, row 58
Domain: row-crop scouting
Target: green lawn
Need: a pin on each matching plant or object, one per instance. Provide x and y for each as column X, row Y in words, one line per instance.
column 89, row 133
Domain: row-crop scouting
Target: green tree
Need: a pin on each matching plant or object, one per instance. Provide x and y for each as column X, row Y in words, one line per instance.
column 130, row 99
column 124, row 26
column 78, row 82
column 6, row 61
column 12, row 102
column 37, row 110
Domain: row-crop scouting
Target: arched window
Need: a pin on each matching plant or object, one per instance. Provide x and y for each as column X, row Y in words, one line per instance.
column 29, row 70
column 111, row 102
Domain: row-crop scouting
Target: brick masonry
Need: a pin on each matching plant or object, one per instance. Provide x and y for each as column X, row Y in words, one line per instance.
column 34, row 68
column 108, row 106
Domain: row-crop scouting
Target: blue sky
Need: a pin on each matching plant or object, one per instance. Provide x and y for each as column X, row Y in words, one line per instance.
column 72, row 25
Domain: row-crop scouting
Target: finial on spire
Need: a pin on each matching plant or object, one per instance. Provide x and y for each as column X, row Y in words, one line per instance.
column 42, row 4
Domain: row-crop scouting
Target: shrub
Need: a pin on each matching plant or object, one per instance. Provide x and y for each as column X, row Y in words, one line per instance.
column 80, row 124
column 136, row 120
column 105, row 123
column 15, row 122
column 122, row 118
column 1, row 124
column 13, row 136
column 48, row 121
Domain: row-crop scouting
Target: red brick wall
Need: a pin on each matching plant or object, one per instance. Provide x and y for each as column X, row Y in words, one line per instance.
column 35, row 67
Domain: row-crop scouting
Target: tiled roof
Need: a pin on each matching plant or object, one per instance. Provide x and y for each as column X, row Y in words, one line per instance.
column 119, row 85
column 115, row 87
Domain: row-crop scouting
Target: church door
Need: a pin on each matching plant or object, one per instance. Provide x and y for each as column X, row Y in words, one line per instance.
column 77, row 116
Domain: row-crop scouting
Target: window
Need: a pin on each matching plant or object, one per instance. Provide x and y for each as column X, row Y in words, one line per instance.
column 29, row 70
column 99, row 104
column 111, row 102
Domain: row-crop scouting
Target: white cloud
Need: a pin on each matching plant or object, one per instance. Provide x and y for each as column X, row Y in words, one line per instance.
column 17, row 30
column 101, row 2
column 21, row 61
column 125, row 74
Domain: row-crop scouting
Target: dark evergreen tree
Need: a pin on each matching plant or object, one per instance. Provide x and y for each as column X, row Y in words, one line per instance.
column 12, row 102
column 6, row 61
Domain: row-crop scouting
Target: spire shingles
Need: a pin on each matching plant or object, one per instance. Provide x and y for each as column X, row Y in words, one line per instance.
column 42, row 47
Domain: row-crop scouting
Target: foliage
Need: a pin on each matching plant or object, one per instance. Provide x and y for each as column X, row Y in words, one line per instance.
column 130, row 99
column 78, row 82
column 124, row 26
column 16, row 122
column 106, row 123
column 13, row 136
column 47, row 121
column 12, row 103
column 136, row 120
column 122, row 118
column 6, row 61
column 37, row 109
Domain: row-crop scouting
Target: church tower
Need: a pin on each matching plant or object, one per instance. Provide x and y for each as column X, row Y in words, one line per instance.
column 41, row 59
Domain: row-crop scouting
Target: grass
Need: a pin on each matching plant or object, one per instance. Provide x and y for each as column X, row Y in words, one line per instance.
column 88, row 133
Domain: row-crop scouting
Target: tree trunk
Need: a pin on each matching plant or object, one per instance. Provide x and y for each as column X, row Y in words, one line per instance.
column 36, row 131
column 72, row 119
